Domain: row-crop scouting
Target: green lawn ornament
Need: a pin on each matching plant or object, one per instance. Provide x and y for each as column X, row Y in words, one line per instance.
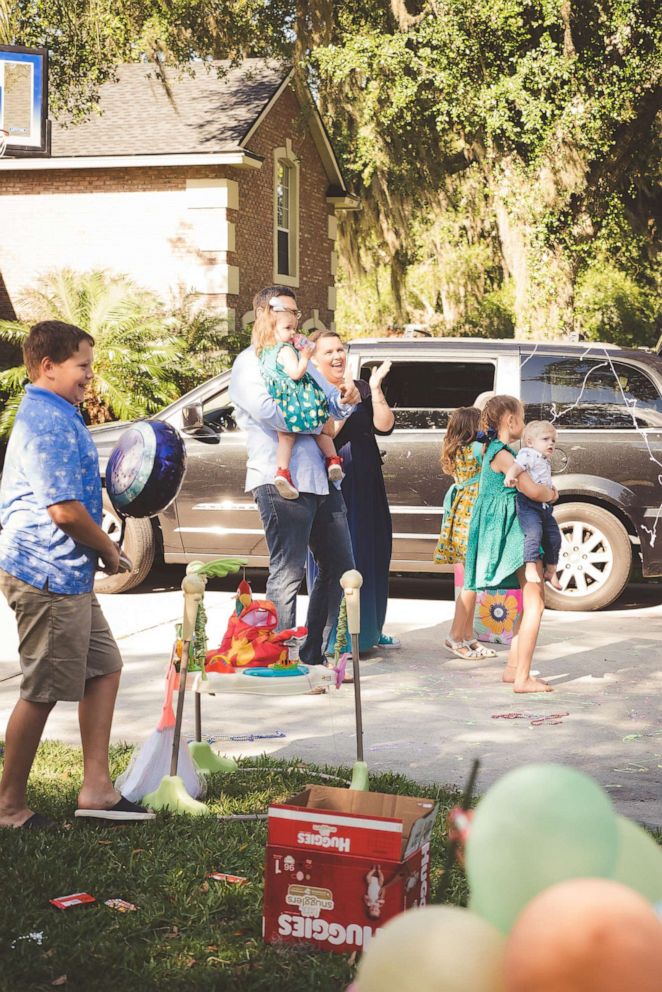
column 205, row 759
column 171, row 794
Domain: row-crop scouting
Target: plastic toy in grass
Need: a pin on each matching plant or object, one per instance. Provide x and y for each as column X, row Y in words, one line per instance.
column 151, row 762
column 250, row 638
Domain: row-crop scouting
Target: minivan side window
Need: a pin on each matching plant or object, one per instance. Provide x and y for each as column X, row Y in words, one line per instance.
column 422, row 395
column 589, row 393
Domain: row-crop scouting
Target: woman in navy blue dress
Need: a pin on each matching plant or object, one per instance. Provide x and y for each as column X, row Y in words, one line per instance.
column 363, row 488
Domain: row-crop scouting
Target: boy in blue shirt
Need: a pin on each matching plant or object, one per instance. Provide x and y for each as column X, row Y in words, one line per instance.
column 50, row 513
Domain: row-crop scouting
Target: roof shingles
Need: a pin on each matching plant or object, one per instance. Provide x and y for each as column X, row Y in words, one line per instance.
column 207, row 114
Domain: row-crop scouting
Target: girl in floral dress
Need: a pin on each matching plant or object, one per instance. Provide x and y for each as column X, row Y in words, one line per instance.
column 461, row 457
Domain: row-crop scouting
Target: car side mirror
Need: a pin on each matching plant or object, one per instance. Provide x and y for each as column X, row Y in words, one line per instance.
column 192, row 418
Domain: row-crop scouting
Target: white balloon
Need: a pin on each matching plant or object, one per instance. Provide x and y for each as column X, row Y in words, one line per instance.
column 434, row 949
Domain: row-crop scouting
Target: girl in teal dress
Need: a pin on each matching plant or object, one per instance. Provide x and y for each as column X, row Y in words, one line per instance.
column 495, row 547
column 283, row 356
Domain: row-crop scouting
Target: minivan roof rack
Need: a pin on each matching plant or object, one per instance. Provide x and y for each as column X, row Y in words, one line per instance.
column 513, row 342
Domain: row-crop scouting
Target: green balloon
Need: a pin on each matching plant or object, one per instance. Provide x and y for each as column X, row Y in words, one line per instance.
column 639, row 860
column 538, row 825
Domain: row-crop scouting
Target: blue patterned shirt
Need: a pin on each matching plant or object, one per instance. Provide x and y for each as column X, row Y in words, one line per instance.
column 51, row 458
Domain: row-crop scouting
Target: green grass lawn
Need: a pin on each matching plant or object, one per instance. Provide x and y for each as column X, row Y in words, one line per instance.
column 187, row 933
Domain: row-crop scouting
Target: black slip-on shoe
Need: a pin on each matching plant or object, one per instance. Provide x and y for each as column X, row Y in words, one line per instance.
column 124, row 811
column 38, row 822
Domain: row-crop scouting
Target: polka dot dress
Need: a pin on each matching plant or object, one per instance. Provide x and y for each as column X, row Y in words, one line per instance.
column 302, row 403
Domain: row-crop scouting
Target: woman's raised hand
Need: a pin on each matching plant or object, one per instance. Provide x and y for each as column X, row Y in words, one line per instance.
column 379, row 374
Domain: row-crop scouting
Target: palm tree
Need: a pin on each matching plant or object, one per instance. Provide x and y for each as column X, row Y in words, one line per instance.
column 139, row 362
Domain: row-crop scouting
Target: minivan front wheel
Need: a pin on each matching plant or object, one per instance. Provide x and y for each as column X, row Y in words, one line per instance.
column 595, row 560
column 139, row 544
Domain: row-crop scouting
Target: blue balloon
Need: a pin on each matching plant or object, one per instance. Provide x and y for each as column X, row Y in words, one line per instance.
column 146, row 469
column 658, row 908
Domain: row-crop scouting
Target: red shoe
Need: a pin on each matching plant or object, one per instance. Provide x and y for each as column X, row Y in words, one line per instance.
column 334, row 469
column 284, row 485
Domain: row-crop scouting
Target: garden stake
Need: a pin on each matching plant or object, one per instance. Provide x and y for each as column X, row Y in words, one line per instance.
column 454, row 839
column 351, row 582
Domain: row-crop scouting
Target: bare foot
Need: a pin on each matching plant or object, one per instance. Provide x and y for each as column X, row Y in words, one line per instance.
column 509, row 673
column 553, row 579
column 99, row 800
column 14, row 817
column 532, row 685
column 531, row 572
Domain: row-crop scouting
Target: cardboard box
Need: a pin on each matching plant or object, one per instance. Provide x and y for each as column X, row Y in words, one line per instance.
column 496, row 611
column 340, row 863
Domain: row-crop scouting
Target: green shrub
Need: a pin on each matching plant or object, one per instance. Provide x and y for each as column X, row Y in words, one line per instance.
column 492, row 317
column 144, row 356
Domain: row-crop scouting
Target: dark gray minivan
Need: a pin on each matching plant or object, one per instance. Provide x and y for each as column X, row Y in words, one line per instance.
column 605, row 401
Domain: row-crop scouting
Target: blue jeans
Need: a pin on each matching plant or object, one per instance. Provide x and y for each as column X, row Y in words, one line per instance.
column 540, row 530
column 290, row 527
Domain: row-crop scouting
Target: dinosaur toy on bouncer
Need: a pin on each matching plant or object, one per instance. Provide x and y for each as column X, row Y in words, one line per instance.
column 251, row 639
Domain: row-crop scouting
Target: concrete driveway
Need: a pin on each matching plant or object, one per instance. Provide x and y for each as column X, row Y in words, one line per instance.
column 425, row 714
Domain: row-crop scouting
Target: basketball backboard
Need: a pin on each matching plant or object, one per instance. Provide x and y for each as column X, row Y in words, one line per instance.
column 24, row 100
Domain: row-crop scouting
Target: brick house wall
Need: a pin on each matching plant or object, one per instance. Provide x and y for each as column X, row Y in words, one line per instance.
column 154, row 224
column 254, row 230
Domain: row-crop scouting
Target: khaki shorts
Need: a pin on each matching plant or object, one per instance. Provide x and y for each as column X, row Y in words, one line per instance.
column 63, row 641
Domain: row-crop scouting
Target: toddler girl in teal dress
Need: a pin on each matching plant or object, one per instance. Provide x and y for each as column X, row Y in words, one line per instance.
column 284, row 355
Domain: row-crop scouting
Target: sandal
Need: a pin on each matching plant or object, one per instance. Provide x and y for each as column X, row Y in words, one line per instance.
column 480, row 650
column 461, row 649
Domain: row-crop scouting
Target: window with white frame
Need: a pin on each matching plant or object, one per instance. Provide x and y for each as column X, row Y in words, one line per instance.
column 286, row 216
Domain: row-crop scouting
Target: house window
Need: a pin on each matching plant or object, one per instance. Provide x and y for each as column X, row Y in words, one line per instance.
column 286, row 216
column 283, row 218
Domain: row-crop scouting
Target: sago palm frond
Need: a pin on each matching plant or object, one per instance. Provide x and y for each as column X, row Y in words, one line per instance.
column 13, row 332
column 14, row 380
column 117, row 306
column 8, row 415
column 143, row 358
column 125, row 404
column 62, row 292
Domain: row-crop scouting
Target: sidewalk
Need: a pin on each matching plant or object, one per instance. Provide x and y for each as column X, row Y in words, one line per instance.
column 425, row 714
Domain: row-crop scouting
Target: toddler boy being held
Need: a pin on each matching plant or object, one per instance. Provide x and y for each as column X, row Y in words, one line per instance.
column 537, row 519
